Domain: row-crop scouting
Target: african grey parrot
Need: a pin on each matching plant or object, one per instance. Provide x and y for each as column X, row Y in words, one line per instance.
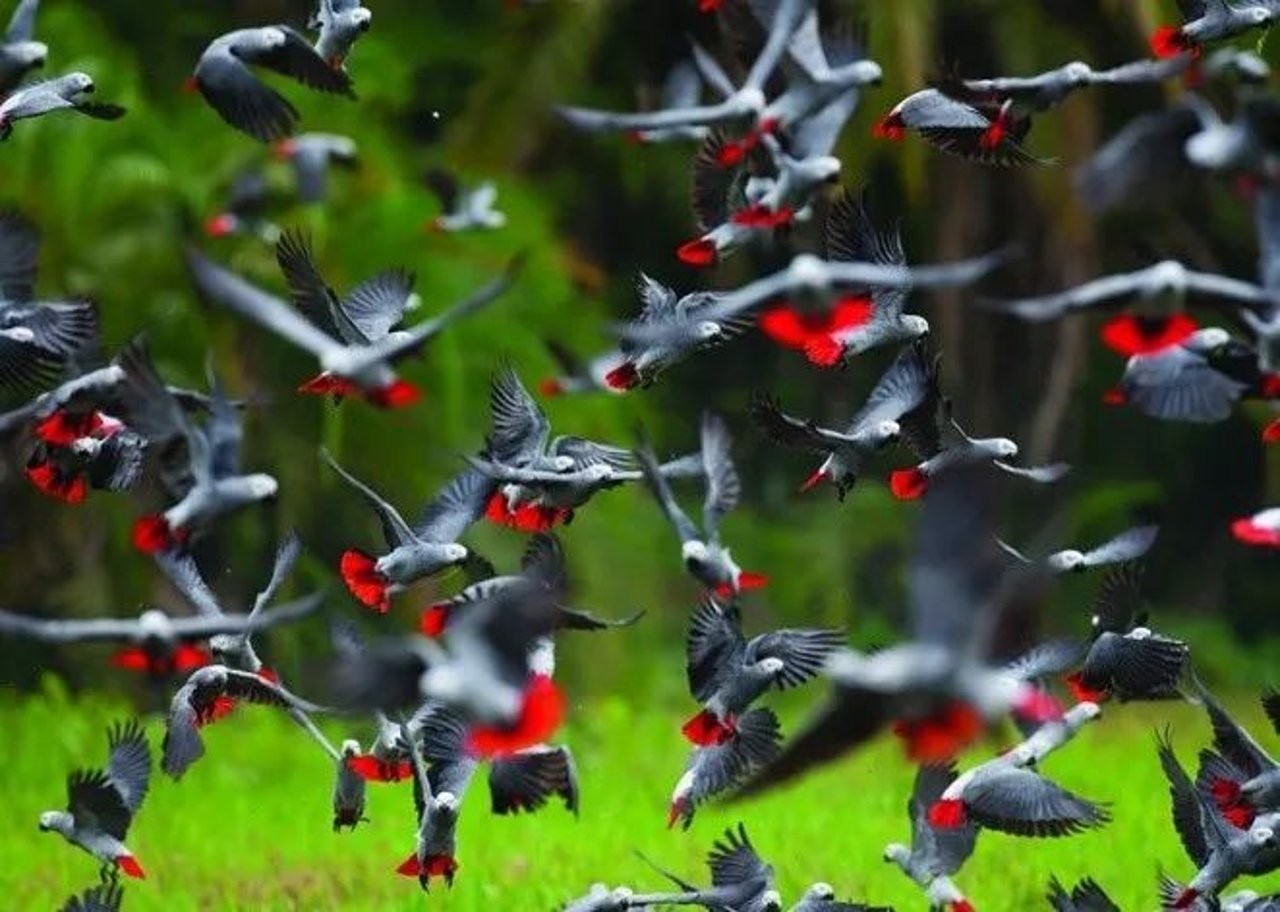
column 348, row 788
column 20, row 53
column 236, row 649
column 1126, row 658
column 1086, row 896
column 102, row 803
column 435, row 847
column 680, row 327
column 948, row 444
column 1220, row 851
column 704, row 556
column 578, row 375
column 312, row 155
column 682, row 88
column 63, row 93
column 1009, row 103
column 822, row 281
column 727, row 672
column 1129, row 545
column 248, row 198
column 716, row 768
column 935, row 853
column 158, row 644
column 821, row 897
column 741, row 880
column 367, row 316
column 1261, row 529
column 464, row 208
column 902, row 403
column 223, row 77
column 360, row 367
column 340, row 24
column 35, row 338
column 601, row 899
column 1251, row 785
column 1009, row 794
column 1209, row 20
column 208, row 695
column 543, row 564
column 941, row 688
column 208, row 482
column 956, row 127
column 413, row 551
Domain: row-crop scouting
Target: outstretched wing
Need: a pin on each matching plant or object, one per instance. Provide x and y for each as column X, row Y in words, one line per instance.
column 714, row 644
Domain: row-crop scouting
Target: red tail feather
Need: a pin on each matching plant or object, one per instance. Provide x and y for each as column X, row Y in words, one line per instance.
column 762, row 217
column 890, row 127
column 1039, row 706
column 814, row 480
column 434, row 619
column 709, row 6
column 941, row 736
column 676, row 811
column 908, row 484
column 52, row 483
column 748, row 580
column 1186, row 899
column 993, row 135
column 63, row 428
column 191, row 84
column 410, row 867
column 537, row 518
column 220, row 225
column 129, row 865
column 823, row 351
column 133, row 659
column 1115, row 396
column 550, row 386
column 1249, row 532
column 1082, row 692
column 699, row 253
column 705, row 730
column 541, row 713
column 1270, row 386
column 396, row 394
column 371, row 769
column 270, row 675
column 364, row 581
column 151, row 534
column 731, row 154
column 962, row 905
column 947, row 813
column 1169, row 41
column 622, row 377
column 328, row 385
column 1130, row 335
column 188, row 658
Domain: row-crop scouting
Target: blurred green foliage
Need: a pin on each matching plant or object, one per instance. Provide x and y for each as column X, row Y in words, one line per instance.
column 470, row 86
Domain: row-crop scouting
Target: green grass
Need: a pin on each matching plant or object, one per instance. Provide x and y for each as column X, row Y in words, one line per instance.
column 248, row 828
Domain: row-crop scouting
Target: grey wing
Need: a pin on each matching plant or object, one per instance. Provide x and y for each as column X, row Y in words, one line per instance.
column 181, row 570
column 723, row 485
column 1189, row 818
column 851, row 236
column 733, row 860
column 1231, row 739
column 900, row 390
column 395, row 530
column 702, row 115
column 1140, row 161
column 804, row 653
column 524, row 781
column 520, row 426
column 266, row 310
column 767, row 415
column 456, row 507
column 1044, row 474
column 1088, row 896
column 1141, row 71
column 22, row 24
column 224, row 433
column 244, row 685
column 19, row 252
column 22, row 364
column 298, row 59
column 713, row 645
column 1136, row 667
column 666, row 498
column 182, row 745
column 1024, row 803
column 241, row 99
column 68, row 631
column 1046, row 660
column 1177, row 385
column 818, row 133
column 96, row 804
column 1127, row 546
column 129, row 763
column 378, row 304
column 308, row 290
column 586, row 453
column 102, row 898
column 311, row 168
column 119, row 462
column 1244, row 294
column 1116, row 605
column 59, row 328
column 200, row 627
column 482, row 297
column 657, row 301
column 286, row 557
column 682, row 87
column 943, row 851
column 755, row 742
column 787, row 18
column 1107, row 290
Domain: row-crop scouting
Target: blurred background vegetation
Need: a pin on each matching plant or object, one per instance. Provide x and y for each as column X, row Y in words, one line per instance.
column 469, row 86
